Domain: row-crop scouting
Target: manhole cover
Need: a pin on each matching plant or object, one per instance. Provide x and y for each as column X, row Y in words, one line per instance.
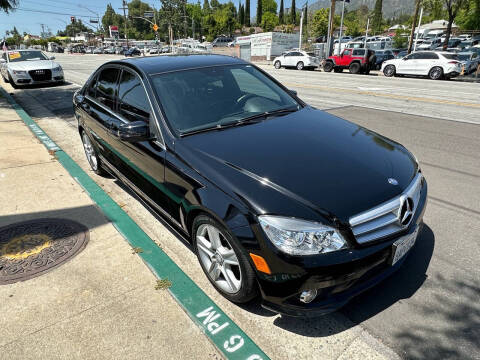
column 32, row 248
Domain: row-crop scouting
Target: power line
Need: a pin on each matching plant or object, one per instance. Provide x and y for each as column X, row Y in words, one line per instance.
column 51, row 5
column 69, row 3
column 52, row 12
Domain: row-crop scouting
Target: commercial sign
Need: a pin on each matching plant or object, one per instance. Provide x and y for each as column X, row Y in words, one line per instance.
column 113, row 31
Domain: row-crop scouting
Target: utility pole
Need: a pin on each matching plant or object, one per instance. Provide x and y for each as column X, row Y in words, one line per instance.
column 412, row 33
column 331, row 27
column 125, row 7
column 301, row 29
column 341, row 29
column 418, row 30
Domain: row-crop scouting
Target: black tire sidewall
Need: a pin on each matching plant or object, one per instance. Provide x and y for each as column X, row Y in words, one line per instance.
column 354, row 68
column 302, row 66
column 432, row 69
column 279, row 65
column 328, row 67
column 389, row 66
column 249, row 287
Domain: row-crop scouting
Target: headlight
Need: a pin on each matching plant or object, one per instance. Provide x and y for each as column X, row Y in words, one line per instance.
column 58, row 68
column 19, row 72
column 301, row 237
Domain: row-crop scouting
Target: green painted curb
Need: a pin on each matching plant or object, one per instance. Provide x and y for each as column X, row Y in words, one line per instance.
column 222, row 331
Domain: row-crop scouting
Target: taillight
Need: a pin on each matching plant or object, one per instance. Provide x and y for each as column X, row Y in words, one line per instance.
column 453, row 62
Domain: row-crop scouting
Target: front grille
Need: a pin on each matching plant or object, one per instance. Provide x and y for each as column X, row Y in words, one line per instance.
column 390, row 217
column 41, row 75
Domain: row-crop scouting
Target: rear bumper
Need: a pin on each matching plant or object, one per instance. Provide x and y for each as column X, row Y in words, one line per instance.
column 336, row 284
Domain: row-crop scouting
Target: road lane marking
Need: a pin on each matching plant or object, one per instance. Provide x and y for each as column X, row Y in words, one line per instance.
column 219, row 328
column 391, row 96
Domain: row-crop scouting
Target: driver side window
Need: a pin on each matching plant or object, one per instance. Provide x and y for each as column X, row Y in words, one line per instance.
column 347, row 52
column 246, row 81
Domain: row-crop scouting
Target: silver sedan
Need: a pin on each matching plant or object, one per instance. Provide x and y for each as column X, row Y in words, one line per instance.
column 23, row 67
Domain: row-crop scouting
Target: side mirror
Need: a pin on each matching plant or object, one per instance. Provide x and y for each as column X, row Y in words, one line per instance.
column 52, row 57
column 293, row 92
column 134, row 131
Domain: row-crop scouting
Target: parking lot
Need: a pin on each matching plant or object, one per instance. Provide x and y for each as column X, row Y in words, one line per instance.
column 428, row 309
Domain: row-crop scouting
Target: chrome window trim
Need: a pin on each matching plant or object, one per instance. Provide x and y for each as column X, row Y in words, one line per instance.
column 383, row 220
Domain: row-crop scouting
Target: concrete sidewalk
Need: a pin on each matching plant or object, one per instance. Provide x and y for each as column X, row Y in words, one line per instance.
column 101, row 304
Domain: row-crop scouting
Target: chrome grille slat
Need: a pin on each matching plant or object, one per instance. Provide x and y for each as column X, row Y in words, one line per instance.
column 383, row 220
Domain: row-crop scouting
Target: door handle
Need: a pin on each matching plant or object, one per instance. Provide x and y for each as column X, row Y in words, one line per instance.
column 87, row 108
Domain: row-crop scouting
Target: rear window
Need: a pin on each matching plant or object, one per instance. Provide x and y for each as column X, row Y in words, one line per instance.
column 450, row 56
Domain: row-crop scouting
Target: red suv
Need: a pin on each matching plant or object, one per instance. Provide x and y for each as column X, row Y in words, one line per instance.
column 355, row 60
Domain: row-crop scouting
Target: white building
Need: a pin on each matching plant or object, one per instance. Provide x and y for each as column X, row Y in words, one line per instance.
column 266, row 46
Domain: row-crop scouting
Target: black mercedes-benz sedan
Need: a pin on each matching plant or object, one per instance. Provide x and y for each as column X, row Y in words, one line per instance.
column 279, row 199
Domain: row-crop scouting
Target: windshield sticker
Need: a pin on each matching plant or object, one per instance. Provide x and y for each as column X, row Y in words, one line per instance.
column 14, row 55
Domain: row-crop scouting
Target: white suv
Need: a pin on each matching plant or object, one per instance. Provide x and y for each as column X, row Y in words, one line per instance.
column 297, row 59
column 435, row 65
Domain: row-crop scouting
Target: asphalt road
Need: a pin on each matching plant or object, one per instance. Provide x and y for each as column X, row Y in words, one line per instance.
column 428, row 309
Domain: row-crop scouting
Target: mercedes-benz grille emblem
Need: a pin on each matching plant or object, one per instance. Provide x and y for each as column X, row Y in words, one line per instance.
column 392, row 181
column 405, row 212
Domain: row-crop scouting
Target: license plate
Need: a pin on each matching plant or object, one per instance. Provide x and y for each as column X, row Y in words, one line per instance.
column 402, row 245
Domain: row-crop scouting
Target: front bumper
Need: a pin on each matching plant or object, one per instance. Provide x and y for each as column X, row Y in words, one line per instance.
column 336, row 277
column 26, row 79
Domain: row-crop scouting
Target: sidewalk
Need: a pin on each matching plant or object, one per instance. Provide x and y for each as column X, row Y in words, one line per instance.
column 102, row 303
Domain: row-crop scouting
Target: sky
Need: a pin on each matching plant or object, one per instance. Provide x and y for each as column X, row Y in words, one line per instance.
column 30, row 21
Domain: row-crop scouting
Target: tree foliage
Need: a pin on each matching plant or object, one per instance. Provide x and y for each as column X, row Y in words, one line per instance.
column 319, row 23
column 377, row 21
column 8, row 5
column 259, row 11
column 281, row 13
column 247, row 12
column 293, row 13
column 269, row 21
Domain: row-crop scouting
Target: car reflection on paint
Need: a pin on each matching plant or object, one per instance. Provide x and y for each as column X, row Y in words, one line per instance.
column 278, row 199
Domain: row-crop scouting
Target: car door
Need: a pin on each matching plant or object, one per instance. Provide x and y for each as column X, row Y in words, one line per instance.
column 288, row 59
column 142, row 163
column 97, row 107
column 346, row 57
column 407, row 64
column 425, row 62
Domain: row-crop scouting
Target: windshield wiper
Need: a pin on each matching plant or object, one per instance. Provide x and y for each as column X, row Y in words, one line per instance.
column 248, row 120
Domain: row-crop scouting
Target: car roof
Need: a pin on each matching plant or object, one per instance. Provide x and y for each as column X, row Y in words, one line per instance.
column 167, row 63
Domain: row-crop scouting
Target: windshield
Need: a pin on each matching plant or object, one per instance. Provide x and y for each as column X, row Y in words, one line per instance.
column 15, row 56
column 216, row 96
column 450, row 56
column 463, row 56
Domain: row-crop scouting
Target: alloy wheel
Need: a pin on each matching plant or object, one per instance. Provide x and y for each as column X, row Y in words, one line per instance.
column 389, row 70
column 300, row 66
column 278, row 65
column 90, row 152
column 218, row 258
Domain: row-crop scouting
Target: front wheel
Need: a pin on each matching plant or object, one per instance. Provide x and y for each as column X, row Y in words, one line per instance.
column 300, row 65
column 92, row 155
column 10, row 80
column 223, row 261
column 277, row 65
column 389, row 70
column 435, row 73
column 328, row 66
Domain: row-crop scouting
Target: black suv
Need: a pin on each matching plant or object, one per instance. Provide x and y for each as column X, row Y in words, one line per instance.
column 276, row 197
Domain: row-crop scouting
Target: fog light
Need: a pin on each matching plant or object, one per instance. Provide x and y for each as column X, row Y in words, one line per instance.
column 308, row 296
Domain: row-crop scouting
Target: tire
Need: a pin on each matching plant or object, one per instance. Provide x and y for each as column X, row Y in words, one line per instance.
column 10, row 80
column 328, row 66
column 338, row 69
column 300, row 65
column 92, row 155
column 354, row 68
column 242, row 285
column 389, row 70
column 5, row 80
column 278, row 65
column 436, row 73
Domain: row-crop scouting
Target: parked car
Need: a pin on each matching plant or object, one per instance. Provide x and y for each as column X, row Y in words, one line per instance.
column 28, row 67
column 120, row 50
column 277, row 198
column 109, row 50
column 435, row 65
column 401, row 54
column 155, row 50
column 430, row 44
column 381, row 56
column 98, row 50
column 467, row 44
column 166, row 49
column 297, row 59
column 469, row 60
column 355, row 60
column 89, row 50
column 221, row 41
column 132, row 52
column 398, row 51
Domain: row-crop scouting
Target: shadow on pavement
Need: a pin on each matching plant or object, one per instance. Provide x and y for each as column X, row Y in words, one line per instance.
column 88, row 215
column 400, row 285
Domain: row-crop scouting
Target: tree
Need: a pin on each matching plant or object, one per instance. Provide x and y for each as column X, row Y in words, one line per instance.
column 259, row 12
column 269, row 6
column 453, row 7
column 241, row 15
column 293, row 13
column 399, row 41
column 281, row 20
column 319, row 23
column 377, row 16
column 269, row 21
column 8, row 5
column 247, row 13
column 206, row 7
column 469, row 17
